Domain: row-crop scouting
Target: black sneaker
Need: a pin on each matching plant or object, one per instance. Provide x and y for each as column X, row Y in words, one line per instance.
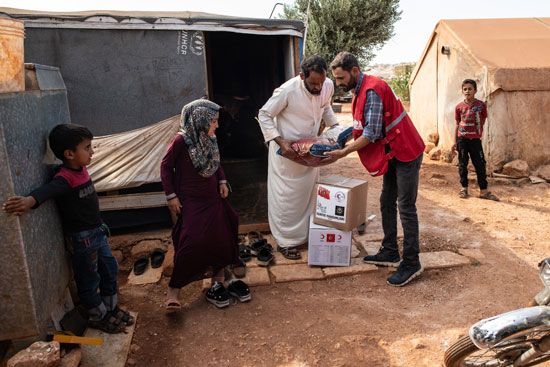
column 265, row 256
column 384, row 257
column 239, row 290
column 218, row 295
column 404, row 274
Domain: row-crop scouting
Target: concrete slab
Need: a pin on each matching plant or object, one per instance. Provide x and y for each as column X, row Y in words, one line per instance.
column 292, row 273
column 114, row 350
column 281, row 260
column 472, row 253
column 150, row 276
column 257, row 276
column 442, row 259
column 357, row 267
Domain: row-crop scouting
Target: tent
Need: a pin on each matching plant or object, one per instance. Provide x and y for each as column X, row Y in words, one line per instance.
column 510, row 60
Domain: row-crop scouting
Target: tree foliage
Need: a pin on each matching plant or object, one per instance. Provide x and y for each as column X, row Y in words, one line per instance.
column 400, row 82
column 358, row 26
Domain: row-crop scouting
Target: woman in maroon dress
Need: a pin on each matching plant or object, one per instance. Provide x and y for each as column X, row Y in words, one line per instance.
column 205, row 235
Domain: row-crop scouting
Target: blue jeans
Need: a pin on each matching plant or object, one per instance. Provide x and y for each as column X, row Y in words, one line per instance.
column 399, row 189
column 95, row 271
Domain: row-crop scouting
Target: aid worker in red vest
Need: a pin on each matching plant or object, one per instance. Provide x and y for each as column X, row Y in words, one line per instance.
column 388, row 144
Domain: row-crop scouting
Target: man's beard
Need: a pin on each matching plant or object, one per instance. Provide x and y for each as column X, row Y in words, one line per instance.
column 352, row 83
column 315, row 93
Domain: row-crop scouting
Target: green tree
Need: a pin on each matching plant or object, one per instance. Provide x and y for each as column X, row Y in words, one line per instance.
column 400, row 82
column 358, row 26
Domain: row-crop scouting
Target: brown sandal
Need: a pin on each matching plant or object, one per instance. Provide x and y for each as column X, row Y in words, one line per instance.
column 488, row 196
column 289, row 253
column 172, row 305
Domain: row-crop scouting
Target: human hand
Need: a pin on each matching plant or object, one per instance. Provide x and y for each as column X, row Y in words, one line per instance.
column 286, row 149
column 334, row 155
column 17, row 205
column 224, row 190
column 174, row 206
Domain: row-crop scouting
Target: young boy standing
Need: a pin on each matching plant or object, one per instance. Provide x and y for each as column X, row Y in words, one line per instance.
column 94, row 267
column 470, row 117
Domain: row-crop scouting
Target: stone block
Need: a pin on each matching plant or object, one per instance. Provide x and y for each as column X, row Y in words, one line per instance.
column 442, row 259
column 472, row 253
column 357, row 267
column 150, row 276
column 544, row 172
column 256, row 276
column 114, row 350
column 293, row 273
column 435, row 154
column 72, row 359
column 517, row 168
column 39, row 354
column 147, row 246
column 429, row 147
column 281, row 260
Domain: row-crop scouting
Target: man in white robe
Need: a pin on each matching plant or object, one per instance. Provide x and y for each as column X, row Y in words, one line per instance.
column 295, row 111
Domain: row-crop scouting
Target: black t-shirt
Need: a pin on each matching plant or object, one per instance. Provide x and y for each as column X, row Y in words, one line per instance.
column 75, row 195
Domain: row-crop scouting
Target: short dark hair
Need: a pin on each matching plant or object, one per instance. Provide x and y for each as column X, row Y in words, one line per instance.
column 67, row 136
column 313, row 63
column 344, row 60
column 470, row 81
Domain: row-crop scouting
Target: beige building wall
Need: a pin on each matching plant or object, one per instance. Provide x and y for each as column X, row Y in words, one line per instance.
column 519, row 128
column 423, row 110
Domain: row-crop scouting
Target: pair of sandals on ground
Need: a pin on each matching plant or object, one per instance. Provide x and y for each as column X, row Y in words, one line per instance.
column 487, row 195
column 262, row 250
column 156, row 258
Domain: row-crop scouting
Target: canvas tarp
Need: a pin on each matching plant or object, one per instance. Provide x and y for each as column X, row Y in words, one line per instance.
column 131, row 158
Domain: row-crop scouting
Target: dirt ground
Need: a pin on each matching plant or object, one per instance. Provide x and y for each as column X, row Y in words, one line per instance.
column 359, row 320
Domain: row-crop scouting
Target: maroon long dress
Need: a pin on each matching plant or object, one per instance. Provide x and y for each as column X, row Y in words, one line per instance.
column 206, row 233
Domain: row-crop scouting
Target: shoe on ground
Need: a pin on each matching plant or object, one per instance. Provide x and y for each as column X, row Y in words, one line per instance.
column 404, row 274
column 109, row 324
column 218, row 295
column 361, row 229
column 384, row 257
column 265, row 256
column 239, row 290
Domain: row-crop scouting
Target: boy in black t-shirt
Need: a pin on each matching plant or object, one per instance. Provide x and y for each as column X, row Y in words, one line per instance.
column 94, row 267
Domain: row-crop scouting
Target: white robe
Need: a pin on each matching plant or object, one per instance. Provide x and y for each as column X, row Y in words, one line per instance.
column 292, row 113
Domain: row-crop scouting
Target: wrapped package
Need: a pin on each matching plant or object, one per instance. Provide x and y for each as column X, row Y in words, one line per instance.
column 311, row 150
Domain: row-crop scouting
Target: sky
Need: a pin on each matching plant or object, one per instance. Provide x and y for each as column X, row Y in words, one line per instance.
column 412, row 31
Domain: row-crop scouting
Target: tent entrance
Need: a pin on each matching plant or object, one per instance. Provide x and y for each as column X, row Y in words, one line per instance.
column 242, row 72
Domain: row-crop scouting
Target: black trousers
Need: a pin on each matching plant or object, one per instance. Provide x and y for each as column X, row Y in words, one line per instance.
column 400, row 189
column 471, row 148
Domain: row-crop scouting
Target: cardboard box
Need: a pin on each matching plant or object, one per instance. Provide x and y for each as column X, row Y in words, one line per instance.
column 328, row 246
column 341, row 202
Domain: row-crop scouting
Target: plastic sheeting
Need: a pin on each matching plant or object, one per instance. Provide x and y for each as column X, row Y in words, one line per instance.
column 131, row 158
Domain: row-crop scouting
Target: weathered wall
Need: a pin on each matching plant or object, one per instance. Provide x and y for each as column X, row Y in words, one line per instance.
column 423, row 109
column 120, row 80
column 33, row 269
column 519, row 128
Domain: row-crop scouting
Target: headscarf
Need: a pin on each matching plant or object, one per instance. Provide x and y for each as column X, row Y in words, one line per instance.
column 196, row 117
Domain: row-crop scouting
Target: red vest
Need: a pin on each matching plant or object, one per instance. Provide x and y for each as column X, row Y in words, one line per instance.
column 404, row 141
